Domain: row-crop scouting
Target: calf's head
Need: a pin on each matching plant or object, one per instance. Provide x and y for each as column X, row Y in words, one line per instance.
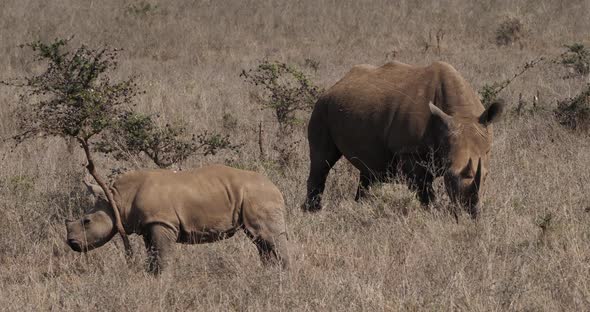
column 466, row 142
column 96, row 227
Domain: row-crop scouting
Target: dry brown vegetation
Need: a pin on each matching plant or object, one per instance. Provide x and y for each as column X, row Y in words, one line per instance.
column 530, row 249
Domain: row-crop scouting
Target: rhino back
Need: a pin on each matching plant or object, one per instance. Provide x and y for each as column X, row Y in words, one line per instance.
column 373, row 111
column 196, row 202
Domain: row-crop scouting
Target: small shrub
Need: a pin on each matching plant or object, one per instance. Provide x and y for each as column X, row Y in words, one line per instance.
column 211, row 143
column 544, row 222
column 133, row 133
column 574, row 113
column 287, row 152
column 509, row 31
column 489, row 92
column 21, row 185
column 286, row 90
column 313, row 64
column 229, row 122
column 141, row 8
column 430, row 44
column 577, row 58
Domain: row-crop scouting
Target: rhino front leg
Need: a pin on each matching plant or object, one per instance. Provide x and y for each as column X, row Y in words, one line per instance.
column 424, row 190
column 419, row 180
column 365, row 182
column 159, row 240
column 426, row 195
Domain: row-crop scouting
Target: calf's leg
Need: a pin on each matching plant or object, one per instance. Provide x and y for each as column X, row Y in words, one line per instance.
column 268, row 232
column 273, row 250
column 159, row 240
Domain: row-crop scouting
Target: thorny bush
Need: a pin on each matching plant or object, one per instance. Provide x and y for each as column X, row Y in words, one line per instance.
column 509, row 31
column 489, row 92
column 286, row 90
column 574, row 113
column 289, row 93
column 577, row 57
column 75, row 97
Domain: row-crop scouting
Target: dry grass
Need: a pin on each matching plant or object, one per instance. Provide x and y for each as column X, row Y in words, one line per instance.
column 351, row 256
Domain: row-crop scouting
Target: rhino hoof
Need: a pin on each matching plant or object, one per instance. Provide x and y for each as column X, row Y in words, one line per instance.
column 311, row 207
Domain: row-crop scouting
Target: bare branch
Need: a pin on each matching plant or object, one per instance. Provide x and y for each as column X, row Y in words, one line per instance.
column 118, row 224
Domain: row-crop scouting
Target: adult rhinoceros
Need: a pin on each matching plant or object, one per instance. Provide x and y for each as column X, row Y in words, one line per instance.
column 421, row 122
column 191, row 207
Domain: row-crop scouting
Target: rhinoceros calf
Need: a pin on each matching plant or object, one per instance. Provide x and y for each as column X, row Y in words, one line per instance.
column 422, row 122
column 192, row 207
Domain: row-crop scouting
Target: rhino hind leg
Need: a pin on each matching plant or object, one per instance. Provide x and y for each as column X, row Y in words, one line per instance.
column 159, row 240
column 271, row 243
column 273, row 251
column 323, row 155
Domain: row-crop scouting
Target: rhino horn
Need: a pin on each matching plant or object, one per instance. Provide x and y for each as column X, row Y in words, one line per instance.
column 477, row 178
column 468, row 170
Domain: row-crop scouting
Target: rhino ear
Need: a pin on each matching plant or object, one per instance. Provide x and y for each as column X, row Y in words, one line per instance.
column 95, row 190
column 492, row 113
column 435, row 111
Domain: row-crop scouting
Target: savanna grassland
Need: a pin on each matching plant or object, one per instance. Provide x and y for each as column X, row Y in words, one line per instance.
column 529, row 250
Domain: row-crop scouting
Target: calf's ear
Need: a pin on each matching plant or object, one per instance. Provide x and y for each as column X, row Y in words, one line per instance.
column 95, row 190
column 492, row 113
